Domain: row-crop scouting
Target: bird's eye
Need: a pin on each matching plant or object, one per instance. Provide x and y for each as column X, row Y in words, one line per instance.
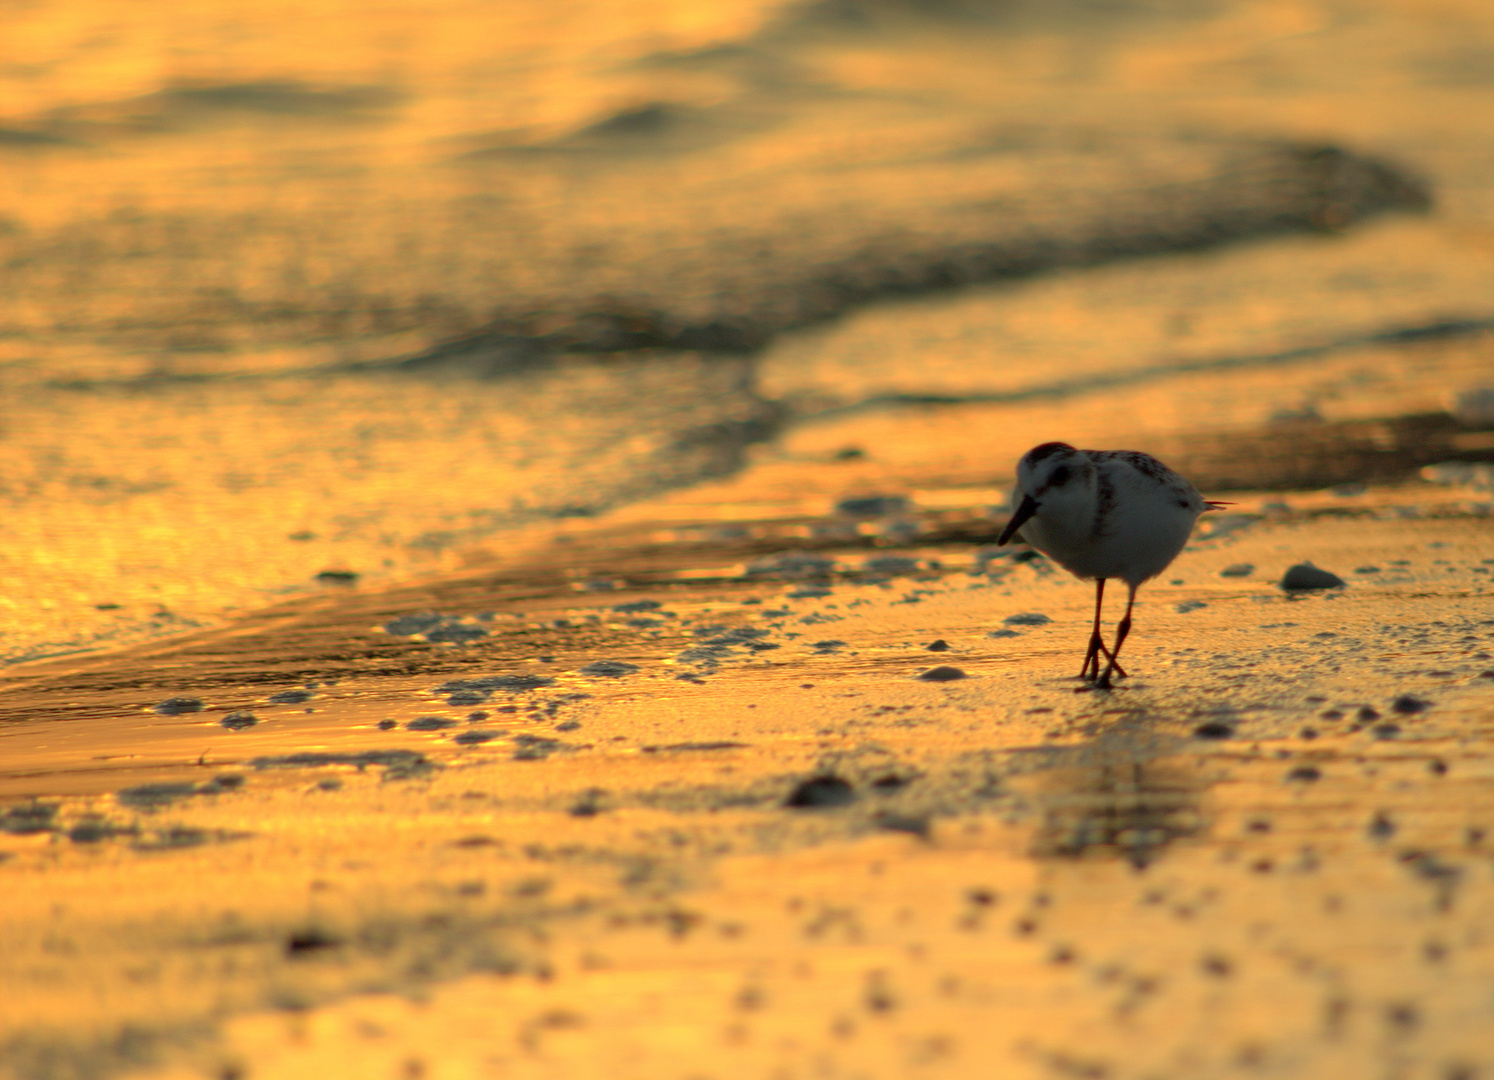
column 1060, row 476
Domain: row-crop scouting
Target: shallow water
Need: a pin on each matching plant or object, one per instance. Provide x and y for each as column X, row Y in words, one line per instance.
column 259, row 293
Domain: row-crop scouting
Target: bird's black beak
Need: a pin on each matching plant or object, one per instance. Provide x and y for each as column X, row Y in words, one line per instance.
column 1026, row 510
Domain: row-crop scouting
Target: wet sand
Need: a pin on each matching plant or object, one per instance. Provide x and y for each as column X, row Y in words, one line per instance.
column 713, row 813
column 411, row 677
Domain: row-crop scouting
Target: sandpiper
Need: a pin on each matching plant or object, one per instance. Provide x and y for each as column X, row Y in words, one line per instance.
column 1103, row 514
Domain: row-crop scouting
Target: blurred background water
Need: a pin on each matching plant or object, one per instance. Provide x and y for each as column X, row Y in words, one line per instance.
column 344, row 287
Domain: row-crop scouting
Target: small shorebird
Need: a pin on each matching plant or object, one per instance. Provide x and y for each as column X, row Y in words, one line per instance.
column 1103, row 514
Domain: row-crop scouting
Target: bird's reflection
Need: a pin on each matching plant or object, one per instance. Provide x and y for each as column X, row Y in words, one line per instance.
column 1124, row 795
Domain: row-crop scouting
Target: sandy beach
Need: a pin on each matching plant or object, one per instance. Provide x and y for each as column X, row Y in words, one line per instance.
column 500, row 573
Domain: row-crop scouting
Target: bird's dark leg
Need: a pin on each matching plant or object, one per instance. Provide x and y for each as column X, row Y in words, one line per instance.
column 1092, row 654
column 1091, row 669
column 1121, row 630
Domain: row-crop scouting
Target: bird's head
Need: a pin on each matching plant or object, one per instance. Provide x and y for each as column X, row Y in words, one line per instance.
column 1053, row 477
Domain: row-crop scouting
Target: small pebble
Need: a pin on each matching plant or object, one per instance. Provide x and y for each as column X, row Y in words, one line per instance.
column 1213, row 730
column 1407, row 705
column 608, row 669
column 1237, row 570
column 821, row 791
column 1305, row 576
column 937, row 646
column 1027, row 618
column 238, row 721
column 872, row 506
column 943, row 673
column 430, row 723
column 176, row 706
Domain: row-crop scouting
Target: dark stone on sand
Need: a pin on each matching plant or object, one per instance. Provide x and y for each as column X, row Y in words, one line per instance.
column 589, row 804
column 430, row 723
column 1381, row 827
column 455, row 634
column 1237, row 570
column 1366, row 713
column 633, row 607
column 792, row 566
column 92, row 832
column 1386, row 731
column 222, row 782
column 939, row 645
column 180, row 836
column 819, row 792
column 28, row 818
column 684, row 747
column 467, row 697
column 151, row 795
column 943, row 673
column 496, row 682
column 1407, row 705
column 338, row 577
column 387, row 725
column 1305, row 774
column 872, row 506
column 410, row 625
column 303, row 943
column 399, row 762
column 1305, row 576
column 535, row 747
column 177, row 706
column 891, row 565
column 1027, row 618
column 829, row 646
column 1214, row 729
column 238, row 721
column 291, row 697
column 475, row 738
column 608, row 669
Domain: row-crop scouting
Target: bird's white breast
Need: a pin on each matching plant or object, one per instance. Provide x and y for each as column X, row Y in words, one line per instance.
column 1129, row 527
